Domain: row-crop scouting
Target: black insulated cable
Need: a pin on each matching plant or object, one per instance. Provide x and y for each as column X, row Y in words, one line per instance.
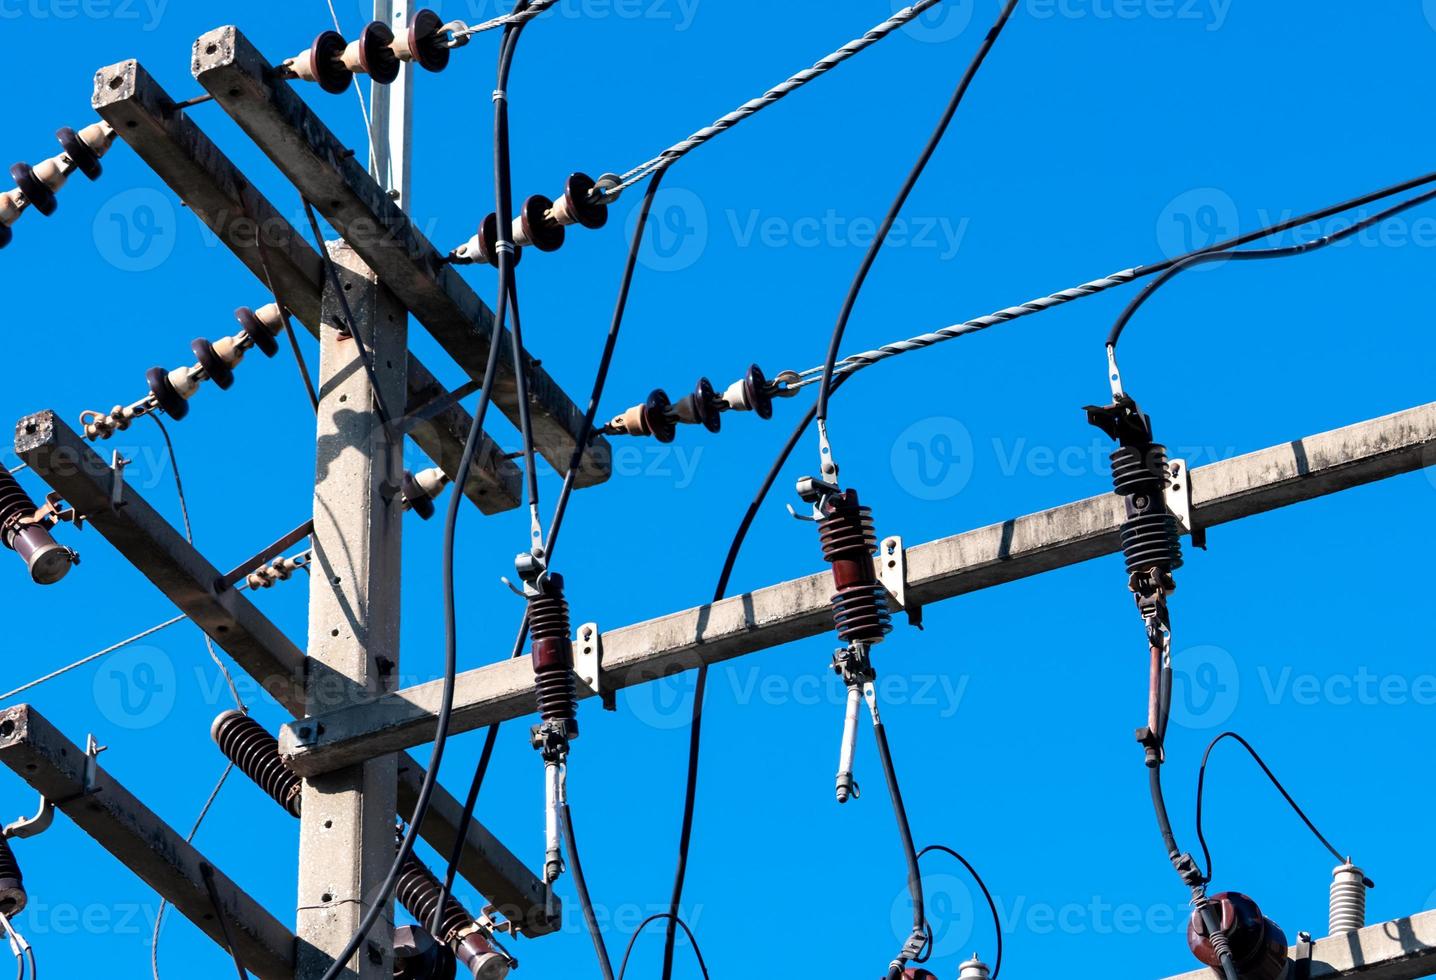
column 678, row 923
column 986, row 894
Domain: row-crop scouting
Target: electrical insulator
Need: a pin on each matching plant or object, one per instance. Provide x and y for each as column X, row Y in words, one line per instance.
column 1348, row 899
column 660, row 417
column 322, row 62
column 279, row 570
column 373, row 54
column 471, row 942
column 483, row 248
column 13, row 898
column 1151, row 539
column 170, row 391
column 973, row 969
column 419, row 956
column 426, row 43
column 918, row 973
column 255, row 753
column 36, row 186
column 25, row 530
column 422, row 489
column 1258, row 946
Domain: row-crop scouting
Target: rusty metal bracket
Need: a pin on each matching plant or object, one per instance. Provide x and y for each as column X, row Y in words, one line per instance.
column 892, row 573
column 117, row 485
column 588, row 664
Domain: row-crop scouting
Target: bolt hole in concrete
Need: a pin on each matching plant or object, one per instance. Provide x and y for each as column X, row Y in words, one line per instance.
column 116, row 82
column 211, row 49
column 7, row 728
column 326, row 898
column 333, row 632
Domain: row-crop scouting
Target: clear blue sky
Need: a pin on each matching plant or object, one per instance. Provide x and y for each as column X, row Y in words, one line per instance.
column 1102, row 134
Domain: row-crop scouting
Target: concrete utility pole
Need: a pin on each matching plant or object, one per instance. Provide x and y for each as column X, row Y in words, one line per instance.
column 346, row 840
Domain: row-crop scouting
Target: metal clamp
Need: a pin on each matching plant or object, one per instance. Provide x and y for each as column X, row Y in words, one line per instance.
column 1179, row 500
column 27, row 827
column 892, row 573
column 1301, row 962
column 588, row 664
column 117, row 485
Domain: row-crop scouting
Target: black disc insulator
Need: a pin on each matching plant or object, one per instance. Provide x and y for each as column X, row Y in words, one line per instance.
column 263, row 340
column 656, row 416
column 426, row 43
column 419, row 956
column 489, row 242
column 327, row 54
column 705, row 405
column 758, row 392
column 255, row 753
column 419, row 501
column 84, row 158
column 36, row 191
column 577, row 191
column 219, row 372
column 6, row 235
column 14, row 502
column 170, row 401
column 13, row 898
column 376, row 53
column 544, row 234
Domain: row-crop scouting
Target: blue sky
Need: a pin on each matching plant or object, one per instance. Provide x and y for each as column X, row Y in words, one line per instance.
column 1102, row 134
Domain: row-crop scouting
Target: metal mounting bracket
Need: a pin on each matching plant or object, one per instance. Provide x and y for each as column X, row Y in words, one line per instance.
column 892, row 573
column 27, row 827
column 588, row 663
column 1301, row 963
column 1179, row 500
column 117, row 486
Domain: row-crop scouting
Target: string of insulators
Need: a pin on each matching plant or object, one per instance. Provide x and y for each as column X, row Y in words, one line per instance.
column 255, row 753
column 13, row 897
column 1257, row 945
column 422, row 489
column 37, row 186
column 541, row 222
column 659, row 416
column 418, row 890
column 331, row 62
column 170, row 391
column 279, row 570
column 25, row 530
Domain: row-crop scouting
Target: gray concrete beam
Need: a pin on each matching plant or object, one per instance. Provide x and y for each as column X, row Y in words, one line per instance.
column 212, row 187
column 1402, row 949
column 327, row 173
column 778, row 614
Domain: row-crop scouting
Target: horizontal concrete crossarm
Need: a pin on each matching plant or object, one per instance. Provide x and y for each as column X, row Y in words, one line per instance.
column 212, row 187
column 1402, row 949
column 65, row 461
column 326, row 172
column 1222, row 492
column 55, row 767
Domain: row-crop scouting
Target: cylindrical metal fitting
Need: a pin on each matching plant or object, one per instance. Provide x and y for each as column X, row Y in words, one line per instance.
column 255, row 753
column 12, row 883
column 47, row 560
column 1258, row 946
column 1348, row 900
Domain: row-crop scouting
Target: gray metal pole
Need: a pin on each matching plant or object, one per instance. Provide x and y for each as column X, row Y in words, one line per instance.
column 346, row 841
column 393, row 114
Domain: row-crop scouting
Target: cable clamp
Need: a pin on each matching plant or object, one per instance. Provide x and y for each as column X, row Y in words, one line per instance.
column 892, row 573
column 500, row 95
column 505, row 248
column 588, row 664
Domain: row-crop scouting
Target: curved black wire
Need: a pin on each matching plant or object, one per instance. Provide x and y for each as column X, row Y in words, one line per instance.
column 991, row 902
column 426, row 790
column 673, row 919
column 1301, row 248
column 825, row 389
column 1201, row 786
column 914, row 873
column 561, row 506
column 600, row 948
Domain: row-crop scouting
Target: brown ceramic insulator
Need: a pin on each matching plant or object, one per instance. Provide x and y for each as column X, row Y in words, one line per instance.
column 424, row 43
column 860, row 607
column 553, row 653
column 534, row 227
column 373, row 54
column 1259, row 947
column 255, row 753
column 577, row 206
column 418, row 891
column 12, row 883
